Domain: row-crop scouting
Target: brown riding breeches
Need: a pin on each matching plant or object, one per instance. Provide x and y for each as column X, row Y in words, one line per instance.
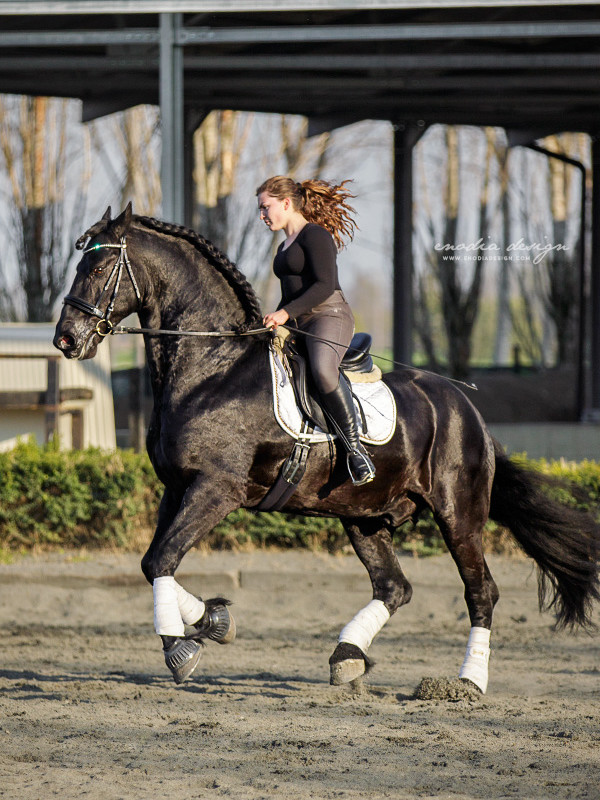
column 331, row 320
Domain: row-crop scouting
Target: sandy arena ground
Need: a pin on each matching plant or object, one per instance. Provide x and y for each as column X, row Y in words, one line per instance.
column 88, row 709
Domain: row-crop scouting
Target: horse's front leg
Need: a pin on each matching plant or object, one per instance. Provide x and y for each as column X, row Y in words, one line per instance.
column 373, row 545
column 185, row 519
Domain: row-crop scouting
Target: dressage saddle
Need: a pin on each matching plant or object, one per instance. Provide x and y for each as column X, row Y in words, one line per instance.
column 357, row 360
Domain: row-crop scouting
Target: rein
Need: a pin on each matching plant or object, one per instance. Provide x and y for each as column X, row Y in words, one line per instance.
column 119, row 329
column 109, row 328
column 162, row 332
column 383, row 358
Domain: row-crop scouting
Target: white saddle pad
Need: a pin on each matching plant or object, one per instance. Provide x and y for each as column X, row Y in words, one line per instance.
column 377, row 401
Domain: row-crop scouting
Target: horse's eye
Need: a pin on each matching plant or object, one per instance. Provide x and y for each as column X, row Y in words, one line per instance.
column 96, row 270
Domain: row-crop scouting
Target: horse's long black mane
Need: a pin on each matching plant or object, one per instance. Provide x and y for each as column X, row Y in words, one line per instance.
column 236, row 279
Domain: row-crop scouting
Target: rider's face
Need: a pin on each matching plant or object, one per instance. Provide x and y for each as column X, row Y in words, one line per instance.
column 273, row 212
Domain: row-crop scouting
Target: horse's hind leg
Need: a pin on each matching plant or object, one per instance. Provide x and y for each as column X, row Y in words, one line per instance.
column 372, row 542
column 464, row 540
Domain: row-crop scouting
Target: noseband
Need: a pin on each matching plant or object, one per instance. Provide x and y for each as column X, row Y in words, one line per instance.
column 104, row 325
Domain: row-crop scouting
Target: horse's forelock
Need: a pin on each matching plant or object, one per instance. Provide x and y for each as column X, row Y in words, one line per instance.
column 95, row 229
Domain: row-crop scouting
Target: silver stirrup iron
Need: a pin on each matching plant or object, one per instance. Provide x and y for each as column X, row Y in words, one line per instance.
column 367, row 461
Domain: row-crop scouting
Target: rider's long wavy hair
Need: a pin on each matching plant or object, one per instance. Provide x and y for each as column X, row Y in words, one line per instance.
column 322, row 202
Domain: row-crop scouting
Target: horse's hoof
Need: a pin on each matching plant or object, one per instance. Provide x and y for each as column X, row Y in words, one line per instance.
column 229, row 636
column 347, row 663
column 346, row 671
column 217, row 623
column 182, row 659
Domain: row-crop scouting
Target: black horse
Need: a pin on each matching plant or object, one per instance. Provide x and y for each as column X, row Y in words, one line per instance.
column 215, row 444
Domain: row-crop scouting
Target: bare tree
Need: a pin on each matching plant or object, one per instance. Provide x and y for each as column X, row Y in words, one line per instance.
column 128, row 146
column 545, row 317
column 219, row 144
column 501, row 352
column 561, row 287
column 457, row 266
column 39, row 145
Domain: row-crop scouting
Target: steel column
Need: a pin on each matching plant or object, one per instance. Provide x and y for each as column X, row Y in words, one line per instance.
column 52, row 399
column 593, row 412
column 405, row 138
column 193, row 119
column 171, row 111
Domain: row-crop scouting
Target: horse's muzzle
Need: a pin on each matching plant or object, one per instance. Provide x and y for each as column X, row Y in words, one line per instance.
column 73, row 343
column 66, row 343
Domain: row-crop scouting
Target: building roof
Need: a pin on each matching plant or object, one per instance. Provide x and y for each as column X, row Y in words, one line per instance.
column 534, row 66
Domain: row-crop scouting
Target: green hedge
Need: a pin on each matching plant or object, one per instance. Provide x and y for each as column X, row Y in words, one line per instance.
column 75, row 498
column 94, row 499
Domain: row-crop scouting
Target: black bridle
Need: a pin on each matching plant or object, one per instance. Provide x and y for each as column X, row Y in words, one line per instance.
column 104, row 326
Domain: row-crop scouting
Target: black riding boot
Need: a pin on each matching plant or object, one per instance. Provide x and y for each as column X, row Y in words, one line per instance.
column 340, row 411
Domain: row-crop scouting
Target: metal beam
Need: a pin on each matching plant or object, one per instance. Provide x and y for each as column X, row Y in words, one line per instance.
column 310, row 34
column 525, row 81
column 497, row 62
column 313, row 34
column 79, row 63
column 172, row 122
column 394, row 61
column 73, row 38
column 56, row 7
column 433, row 85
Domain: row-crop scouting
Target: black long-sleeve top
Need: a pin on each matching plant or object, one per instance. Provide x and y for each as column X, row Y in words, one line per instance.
column 307, row 270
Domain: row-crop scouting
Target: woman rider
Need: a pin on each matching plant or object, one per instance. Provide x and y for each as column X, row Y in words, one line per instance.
column 315, row 217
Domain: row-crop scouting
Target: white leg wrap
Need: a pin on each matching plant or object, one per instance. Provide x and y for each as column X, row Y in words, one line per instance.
column 190, row 608
column 167, row 617
column 475, row 665
column 366, row 625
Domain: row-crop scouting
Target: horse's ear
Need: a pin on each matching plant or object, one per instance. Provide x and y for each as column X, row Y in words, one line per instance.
column 106, row 214
column 121, row 224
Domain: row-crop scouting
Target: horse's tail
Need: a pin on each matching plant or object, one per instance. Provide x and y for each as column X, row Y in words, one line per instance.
column 564, row 542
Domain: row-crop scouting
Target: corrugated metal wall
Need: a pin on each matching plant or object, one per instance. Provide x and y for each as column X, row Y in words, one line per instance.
column 31, row 375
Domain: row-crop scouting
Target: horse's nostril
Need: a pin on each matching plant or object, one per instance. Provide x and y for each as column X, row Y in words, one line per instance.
column 66, row 342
